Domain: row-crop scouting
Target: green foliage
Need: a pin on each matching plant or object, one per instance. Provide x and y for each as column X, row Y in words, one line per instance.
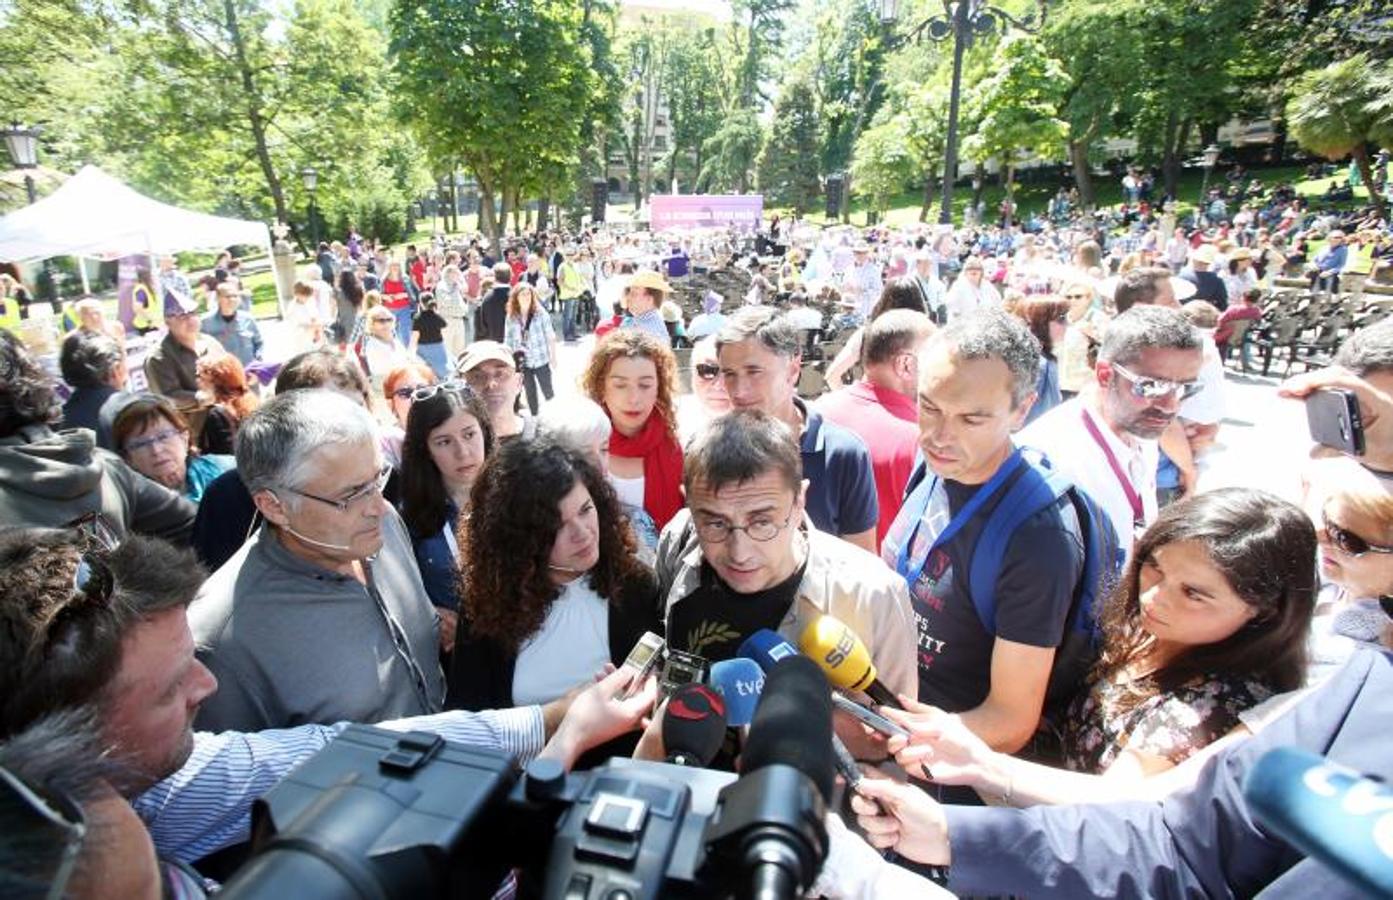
column 1336, row 111
column 884, row 164
column 788, row 163
column 730, row 153
column 1017, row 105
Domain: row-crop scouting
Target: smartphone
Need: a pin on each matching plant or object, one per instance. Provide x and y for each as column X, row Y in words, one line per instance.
column 1334, row 420
column 643, row 659
column 868, row 717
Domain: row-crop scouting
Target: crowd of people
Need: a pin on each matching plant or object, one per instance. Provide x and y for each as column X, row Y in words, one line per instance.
column 207, row 579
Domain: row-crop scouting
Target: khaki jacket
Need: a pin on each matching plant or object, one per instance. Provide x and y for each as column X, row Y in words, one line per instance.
column 840, row 580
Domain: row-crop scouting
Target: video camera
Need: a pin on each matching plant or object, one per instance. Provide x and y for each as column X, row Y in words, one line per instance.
column 383, row 814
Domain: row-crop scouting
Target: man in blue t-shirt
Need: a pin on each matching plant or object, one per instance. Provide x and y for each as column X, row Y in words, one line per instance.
column 760, row 355
column 976, row 383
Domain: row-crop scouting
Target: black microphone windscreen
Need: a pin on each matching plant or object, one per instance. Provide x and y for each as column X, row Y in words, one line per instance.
column 793, row 723
column 694, row 725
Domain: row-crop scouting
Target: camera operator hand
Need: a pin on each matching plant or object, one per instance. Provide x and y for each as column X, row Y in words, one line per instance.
column 600, row 713
column 941, row 746
column 906, row 820
column 1375, row 404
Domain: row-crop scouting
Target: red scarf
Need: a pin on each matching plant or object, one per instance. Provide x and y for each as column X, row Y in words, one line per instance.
column 662, row 466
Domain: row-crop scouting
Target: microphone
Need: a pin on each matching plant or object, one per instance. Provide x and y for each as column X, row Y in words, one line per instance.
column 844, row 658
column 740, row 682
column 767, row 835
column 694, row 725
column 567, row 569
column 1328, row 812
column 309, row 540
column 767, row 648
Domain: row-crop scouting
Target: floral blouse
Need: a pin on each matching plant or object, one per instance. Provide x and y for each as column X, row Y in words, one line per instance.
column 1172, row 725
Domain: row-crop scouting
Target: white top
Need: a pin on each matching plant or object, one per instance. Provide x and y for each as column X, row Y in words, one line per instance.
column 1207, row 407
column 1061, row 435
column 963, row 298
column 630, row 490
column 802, row 317
column 704, row 324
column 571, row 646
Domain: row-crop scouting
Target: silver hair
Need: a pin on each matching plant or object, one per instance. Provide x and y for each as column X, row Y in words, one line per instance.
column 996, row 334
column 275, row 445
column 579, row 421
column 771, row 329
column 1144, row 328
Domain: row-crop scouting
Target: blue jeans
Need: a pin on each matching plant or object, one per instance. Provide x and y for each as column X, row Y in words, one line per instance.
column 403, row 317
column 568, row 319
column 435, row 357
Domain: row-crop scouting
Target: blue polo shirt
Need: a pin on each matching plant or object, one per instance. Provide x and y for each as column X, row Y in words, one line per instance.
column 841, row 485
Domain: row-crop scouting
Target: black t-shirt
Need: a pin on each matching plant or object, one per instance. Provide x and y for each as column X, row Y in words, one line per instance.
column 713, row 621
column 431, row 326
column 1034, row 592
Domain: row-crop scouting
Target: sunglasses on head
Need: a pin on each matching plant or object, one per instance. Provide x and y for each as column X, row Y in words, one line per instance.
column 708, row 371
column 1349, row 543
column 454, row 386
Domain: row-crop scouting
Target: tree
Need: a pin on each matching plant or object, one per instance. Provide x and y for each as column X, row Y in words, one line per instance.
column 502, row 86
column 883, row 164
column 691, row 88
column 787, row 166
column 1336, row 111
column 730, row 153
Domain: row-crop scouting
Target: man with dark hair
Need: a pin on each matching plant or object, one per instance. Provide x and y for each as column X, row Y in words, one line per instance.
column 760, row 352
column 744, row 555
column 53, row 478
column 1105, row 439
column 94, row 366
column 880, row 410
column 977, row 381
column 491, row 318
column 1148, row 285
column 113, row 627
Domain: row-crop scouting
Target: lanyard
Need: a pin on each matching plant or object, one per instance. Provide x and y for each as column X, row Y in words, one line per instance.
column 1133, row 498
column 955, row 524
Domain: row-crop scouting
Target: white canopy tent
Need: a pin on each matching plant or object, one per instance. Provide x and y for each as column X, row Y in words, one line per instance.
column 95, row 215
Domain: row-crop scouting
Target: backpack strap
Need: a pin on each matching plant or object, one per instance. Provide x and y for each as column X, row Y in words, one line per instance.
column 1030, row 492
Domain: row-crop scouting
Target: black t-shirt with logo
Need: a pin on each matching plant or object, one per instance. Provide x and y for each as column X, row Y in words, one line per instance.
column 713, row 621
column 1034, row 592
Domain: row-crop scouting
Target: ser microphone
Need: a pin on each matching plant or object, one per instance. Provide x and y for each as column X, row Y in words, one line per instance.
column 1329, row 812
column 844, row 658
column 767, row 838
column 740, row 682
column 694, row 725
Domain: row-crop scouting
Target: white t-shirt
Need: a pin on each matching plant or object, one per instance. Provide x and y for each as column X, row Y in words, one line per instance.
column 571, row 646
column 1062, row 436
column 1207, row 407
column 963, row 298
column 630, row 490
column 805, row 318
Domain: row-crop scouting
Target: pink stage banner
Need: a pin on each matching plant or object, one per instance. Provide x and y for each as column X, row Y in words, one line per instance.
column 705, row 210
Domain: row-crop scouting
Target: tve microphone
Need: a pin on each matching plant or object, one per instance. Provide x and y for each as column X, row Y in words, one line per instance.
column 740, row 682
column 767, row 838
column 694, row 725
column 1328, row 812
column 845, row 659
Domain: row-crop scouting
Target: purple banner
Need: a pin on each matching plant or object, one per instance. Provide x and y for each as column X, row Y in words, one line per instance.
column 743, row 211
column 125, row 287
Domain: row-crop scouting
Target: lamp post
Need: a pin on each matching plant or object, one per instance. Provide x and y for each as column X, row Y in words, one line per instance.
column 23, row 144
column 964, row 21
column 310, row 178
column 1211, row 156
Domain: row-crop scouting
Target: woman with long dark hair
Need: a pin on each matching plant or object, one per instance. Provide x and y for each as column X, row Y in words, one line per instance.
column 448, row 439
column 1211, row 618
column 528, row 331
column 550, row 589
column 899, row 293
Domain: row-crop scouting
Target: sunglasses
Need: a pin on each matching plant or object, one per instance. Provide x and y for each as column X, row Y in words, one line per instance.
column 405, row 391
column 454, row 386
column 1147, row 388
column 708, row 371
column 1349, row 543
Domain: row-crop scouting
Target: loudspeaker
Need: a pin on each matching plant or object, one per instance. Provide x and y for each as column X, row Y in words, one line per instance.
column 599, row 198
column 834, row 196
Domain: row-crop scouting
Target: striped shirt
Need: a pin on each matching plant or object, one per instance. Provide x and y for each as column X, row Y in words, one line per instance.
column 534, row 340
column 651, row 322
column 206, row 805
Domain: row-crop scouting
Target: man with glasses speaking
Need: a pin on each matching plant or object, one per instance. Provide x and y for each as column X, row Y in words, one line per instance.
column 321, row 616
column 1104, row 440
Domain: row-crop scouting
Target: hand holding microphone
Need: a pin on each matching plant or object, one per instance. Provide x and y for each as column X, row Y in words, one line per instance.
column 688, row 730
column 843, row 656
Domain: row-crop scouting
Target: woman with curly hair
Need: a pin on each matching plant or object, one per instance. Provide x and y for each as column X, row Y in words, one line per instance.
column 448, row 438
column 632, row 375
column 551, row 589
column 225, row 380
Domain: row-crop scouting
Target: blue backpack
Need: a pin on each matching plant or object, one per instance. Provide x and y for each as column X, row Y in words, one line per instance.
column 1034, row 487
